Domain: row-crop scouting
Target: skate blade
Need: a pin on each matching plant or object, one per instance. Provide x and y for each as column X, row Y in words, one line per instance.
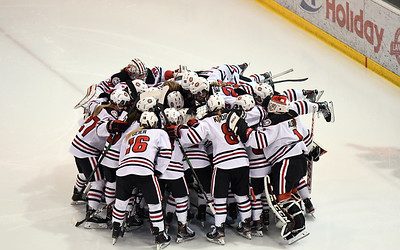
column 181, row 240
column 257, row 234
column 219, row 241
column 91, row 225
column 75, row 203
column 298, row 237
column 320, row 93
column 114, row 240
column 330, row 104
column 162, row 245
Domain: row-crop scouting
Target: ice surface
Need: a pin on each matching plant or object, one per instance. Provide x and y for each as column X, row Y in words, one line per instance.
column 51, row 51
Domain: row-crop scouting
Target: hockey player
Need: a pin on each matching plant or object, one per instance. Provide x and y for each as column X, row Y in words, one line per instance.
column 173, row 180
column 140, row 149
column 231, row 167
column 284, row 149
column 86, row 148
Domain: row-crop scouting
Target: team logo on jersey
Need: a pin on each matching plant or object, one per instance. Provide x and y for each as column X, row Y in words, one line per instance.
column 395, row 46
column 114, row 113
column 311, row 6
column 267, row 122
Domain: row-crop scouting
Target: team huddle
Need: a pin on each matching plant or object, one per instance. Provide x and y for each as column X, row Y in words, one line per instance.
column 150, row 138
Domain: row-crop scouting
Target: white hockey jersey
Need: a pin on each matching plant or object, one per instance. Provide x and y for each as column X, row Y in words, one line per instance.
column 198, row 156
column 228, row 151
column 92, row 135
column 142, row 151
column 175, row 168
column 278, row 141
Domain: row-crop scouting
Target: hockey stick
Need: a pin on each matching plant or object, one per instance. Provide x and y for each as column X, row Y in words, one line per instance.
column 279, row 74
column 209, row 203
column 292, row 80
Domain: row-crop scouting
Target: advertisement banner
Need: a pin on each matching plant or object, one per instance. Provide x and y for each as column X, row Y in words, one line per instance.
column 365, row 25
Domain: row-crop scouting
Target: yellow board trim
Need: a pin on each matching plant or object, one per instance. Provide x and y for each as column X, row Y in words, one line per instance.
column 334, row 42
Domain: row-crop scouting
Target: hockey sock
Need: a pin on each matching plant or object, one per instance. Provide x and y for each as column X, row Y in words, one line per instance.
column 264, row 202
column 95, row 193
column 220, row 209
column 80, row 182
column 119, row 210
column 303, row 190
column 156, row 216
column 244, row 206
column 256, row 208
column 171, row 205
column 303, row 107
column 182, row 209
column 110, row 192
column 294, row 95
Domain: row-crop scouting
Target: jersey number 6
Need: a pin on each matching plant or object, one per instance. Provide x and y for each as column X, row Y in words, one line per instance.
column 138, row 144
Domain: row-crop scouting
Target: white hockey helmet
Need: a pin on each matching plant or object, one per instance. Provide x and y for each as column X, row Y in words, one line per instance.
column 245, row 101
column 278, row 104
column 198, row 85
column 175, row 100
column 261, row 91
column 146, row 103
column 186, row 79
column 120, row 97
column 140, row 85
column 173, row 116
column 215, row 102
column 148, row 120
column 136, row 69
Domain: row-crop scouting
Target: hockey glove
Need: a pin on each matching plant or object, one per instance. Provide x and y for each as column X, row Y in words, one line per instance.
column 117, row 126
column 192, row 122
column 239, row 126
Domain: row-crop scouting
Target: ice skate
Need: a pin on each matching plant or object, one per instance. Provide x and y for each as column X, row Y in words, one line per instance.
column 243, row 67
column 326, row 108
column 162, row 240
column 309, row 206
column 184, row 233
column 133, row 222
column 313, row 95
column 267, row 77
column 117, row 231
column 94, row 221
column 265, row 218
column 78, row 197
column 244, row 229
column 257, row 228
column 217, row 235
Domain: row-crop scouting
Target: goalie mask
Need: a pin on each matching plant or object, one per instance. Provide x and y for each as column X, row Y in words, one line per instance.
column 175, row 100
column 246, row 102
column 173, row 116
column 120, row 97
column 278, row 104
column 146, row 104
column 215, row 102
column 261, row 91
column 148, row 120
column 140, row 85
column 136, row 69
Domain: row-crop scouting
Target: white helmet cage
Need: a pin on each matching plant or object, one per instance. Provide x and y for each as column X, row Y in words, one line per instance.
column 215, row 102
column 120, row 97
column 173, row 116
column 246, row 102
column 278, row 104
column 146, row 104
column 140, row 85
column 198, row 85
column 261, row 91
column 175, row 100
column 148, row 120
column 136, row 69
